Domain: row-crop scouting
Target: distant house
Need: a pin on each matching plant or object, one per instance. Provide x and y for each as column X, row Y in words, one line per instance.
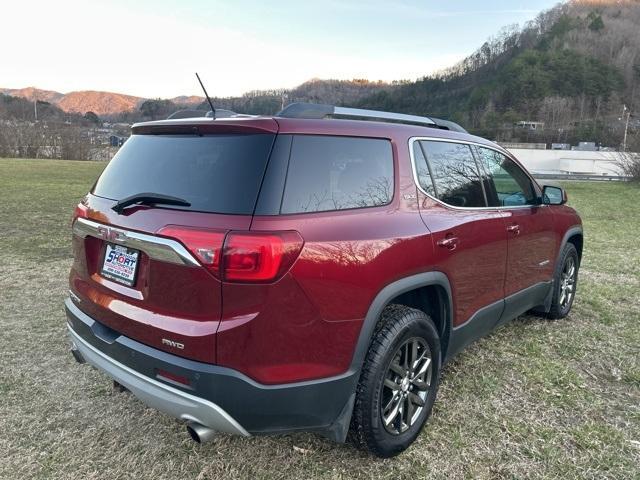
column 116, row 141
column 528, row 125
column 586, row 147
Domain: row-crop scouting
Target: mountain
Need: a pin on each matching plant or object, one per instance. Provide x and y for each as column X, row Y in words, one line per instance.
column 331, row 91
column 33, row 93
column 126, row 107
column 573, row 68
column 191, row 100
column 101, row 103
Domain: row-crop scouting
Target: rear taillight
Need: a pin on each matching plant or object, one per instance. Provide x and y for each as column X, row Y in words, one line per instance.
column 241, row 256
column 205, row 245
column 259, row 257
column 81, row 211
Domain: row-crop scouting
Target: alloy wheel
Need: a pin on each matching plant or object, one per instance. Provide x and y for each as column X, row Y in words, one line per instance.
column 406, row 385
column 567, row 283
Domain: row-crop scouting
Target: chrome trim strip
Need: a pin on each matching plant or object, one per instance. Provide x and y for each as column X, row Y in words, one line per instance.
column 412, row 140
column 163, row 397
column 158, row 248
column 357, row 112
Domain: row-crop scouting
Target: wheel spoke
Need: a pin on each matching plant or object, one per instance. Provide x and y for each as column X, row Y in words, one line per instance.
column 389, row 404
column 414, row 354
column 417, row 362
column 406, row 357
column 562, row 296
column 394, row 412
column 391, row 384
column 423, row 369
column 416, row 399
column 411, row 409
column 401, row 414
column 420, row 385
column 397, row 369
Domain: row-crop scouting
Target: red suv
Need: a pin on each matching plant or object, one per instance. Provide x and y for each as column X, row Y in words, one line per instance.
column 297, row 272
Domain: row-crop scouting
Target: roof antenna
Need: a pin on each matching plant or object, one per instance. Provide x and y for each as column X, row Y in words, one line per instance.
column 213, row 110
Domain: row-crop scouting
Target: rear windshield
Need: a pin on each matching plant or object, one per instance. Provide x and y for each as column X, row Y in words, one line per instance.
column 214, row 173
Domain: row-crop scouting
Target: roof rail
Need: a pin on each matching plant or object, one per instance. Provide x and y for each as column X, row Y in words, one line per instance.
column 220, row 113
column 319, row 111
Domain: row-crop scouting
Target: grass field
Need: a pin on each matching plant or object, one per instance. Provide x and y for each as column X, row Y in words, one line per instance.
column 536, row 399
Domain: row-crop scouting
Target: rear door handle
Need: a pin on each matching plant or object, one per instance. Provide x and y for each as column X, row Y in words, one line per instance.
column 515, row 229
column 448, row 242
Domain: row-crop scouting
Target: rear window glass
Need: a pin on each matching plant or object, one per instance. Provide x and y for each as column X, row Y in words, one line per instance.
column 337, row 173
column 214, row 173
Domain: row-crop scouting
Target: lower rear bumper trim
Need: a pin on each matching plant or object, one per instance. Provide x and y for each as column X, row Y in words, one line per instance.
column 165, row 398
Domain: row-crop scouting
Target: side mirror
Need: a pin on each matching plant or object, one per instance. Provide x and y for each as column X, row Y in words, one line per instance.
column 553, row 195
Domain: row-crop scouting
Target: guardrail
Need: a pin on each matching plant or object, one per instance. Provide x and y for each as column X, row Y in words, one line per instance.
column 580, row 176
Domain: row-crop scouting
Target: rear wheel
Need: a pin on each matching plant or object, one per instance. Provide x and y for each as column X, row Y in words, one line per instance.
column 398, row 383
column 565, row 282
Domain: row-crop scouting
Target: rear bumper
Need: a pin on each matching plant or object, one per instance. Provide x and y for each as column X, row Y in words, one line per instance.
column 163, row 397
column 217, row 397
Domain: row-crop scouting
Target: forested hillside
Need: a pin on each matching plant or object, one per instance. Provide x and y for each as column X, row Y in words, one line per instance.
column 335, row 92
column 573, row 68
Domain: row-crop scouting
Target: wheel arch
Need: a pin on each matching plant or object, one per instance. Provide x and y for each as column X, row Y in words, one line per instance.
column 575, row 236
column 417, row 291
column 577, row 240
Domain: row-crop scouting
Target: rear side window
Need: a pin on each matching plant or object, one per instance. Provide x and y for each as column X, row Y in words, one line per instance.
column 449, row 172
column 337, row 173
column 215, row 173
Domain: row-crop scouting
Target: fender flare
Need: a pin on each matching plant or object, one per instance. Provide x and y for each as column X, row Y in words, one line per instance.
column 571, row 231
column 384, row 297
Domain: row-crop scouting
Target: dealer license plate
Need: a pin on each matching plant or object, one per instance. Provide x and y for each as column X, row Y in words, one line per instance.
column 120, row 264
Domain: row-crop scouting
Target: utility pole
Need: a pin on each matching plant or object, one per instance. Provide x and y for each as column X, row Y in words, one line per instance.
column 35, row 107
column 626, row 126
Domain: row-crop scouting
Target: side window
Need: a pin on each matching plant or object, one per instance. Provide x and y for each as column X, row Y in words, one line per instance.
column 422, row 169
column 450, row 173
column 505, row 182
column 337, row 173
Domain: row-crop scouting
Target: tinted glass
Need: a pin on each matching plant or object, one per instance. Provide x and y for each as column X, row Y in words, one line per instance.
column 336, row 173
column 422, row 169
column 215, row 173
column 454, row 174
column 505, row 182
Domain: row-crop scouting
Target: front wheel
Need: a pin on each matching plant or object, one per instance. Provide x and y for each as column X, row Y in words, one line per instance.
column 565, row 282
column 398, row 383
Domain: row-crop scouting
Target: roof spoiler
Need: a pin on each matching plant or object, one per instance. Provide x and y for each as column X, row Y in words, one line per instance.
column 319, row 111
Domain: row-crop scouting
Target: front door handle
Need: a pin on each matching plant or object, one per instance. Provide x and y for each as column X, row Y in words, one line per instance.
column 448, row 242
column 515, row 229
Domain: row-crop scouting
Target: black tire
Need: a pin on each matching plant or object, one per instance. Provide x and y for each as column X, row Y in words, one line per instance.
column 399, row 326
column 560, row 305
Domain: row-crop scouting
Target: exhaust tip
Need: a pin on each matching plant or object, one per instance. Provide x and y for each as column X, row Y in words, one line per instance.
column 200, row 433
column 193, row 434
column 76, row 354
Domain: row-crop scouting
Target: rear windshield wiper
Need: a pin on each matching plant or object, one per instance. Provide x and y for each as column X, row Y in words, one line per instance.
column 148, row 199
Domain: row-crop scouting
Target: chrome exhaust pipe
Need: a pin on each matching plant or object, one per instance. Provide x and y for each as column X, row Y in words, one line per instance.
column 200, row 433
column 76, row 353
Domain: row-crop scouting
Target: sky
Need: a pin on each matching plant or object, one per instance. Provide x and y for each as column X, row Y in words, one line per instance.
column 151, row 48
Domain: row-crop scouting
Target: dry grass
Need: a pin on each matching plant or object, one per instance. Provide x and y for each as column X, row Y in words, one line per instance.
column 536, row 399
